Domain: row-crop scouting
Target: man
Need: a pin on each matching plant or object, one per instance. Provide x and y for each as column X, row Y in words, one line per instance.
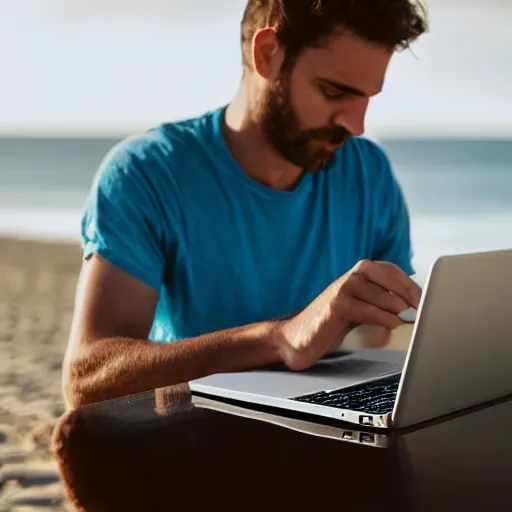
column 260, row 232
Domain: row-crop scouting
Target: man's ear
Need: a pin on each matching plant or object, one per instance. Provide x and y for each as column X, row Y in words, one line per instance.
column 268, row 54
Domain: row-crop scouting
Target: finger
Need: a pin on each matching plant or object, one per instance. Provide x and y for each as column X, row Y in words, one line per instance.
column 413, row 289
column 367, row 291
column 391, row 278
column 365, row 313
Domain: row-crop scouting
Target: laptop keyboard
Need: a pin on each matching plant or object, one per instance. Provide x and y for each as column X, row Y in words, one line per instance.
column 376, row 397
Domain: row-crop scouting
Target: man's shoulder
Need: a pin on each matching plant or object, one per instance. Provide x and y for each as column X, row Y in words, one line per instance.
column 162, row 148
column 369, row 161
column 164, row 139
column 367, row 150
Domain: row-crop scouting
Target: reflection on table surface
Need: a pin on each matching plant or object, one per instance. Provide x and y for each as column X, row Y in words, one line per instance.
column 155, row 450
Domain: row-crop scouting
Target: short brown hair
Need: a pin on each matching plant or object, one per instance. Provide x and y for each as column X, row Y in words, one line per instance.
column 300, row 24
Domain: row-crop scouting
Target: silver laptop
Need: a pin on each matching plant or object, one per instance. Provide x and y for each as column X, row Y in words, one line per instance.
column 459, row 356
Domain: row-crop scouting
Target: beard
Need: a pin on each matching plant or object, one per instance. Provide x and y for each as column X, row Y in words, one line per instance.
column 283, row 129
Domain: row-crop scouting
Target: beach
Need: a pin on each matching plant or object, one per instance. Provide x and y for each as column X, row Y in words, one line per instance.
column 443, row 121
column 37, row 287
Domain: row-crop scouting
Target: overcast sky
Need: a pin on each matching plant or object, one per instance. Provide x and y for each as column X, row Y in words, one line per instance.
column 116, row 66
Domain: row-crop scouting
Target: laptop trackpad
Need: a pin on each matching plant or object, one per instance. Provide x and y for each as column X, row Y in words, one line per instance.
column 330, row 373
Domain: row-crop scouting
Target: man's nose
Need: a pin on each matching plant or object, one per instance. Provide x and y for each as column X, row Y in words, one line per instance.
column 352, row 116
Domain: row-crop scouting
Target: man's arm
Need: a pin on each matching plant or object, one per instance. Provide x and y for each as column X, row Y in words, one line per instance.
column 108, row 353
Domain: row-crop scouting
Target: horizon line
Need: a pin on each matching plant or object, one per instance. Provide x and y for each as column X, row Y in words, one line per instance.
column 119, row 133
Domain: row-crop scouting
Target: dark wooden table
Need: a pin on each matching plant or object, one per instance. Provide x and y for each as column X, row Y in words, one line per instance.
column 168, row 449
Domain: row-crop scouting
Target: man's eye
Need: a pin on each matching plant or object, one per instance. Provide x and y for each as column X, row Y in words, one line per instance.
column 332, row 94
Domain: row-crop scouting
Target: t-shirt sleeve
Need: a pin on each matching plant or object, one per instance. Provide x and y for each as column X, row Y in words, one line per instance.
column 393, row 231
column 122, row 220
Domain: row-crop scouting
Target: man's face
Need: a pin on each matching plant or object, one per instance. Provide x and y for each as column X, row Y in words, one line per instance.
column 311, row 109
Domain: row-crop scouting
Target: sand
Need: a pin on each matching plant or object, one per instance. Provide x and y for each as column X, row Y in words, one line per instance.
column 37, row 286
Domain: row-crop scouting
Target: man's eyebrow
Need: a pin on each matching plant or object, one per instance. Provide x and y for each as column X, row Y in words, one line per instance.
column 343, row 88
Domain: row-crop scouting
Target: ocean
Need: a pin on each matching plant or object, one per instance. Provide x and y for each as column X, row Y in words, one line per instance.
column 459, row 192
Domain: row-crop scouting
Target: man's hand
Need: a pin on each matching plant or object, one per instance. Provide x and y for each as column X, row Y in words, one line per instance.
column 372, row 293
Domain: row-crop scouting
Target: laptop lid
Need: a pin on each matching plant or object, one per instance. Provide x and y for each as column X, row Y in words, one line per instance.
column 462, row 341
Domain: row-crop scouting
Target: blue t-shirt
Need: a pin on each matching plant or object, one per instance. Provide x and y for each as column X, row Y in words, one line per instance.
column 172, row 208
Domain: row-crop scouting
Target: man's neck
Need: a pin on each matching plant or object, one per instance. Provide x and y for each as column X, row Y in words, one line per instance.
column 252, row 150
